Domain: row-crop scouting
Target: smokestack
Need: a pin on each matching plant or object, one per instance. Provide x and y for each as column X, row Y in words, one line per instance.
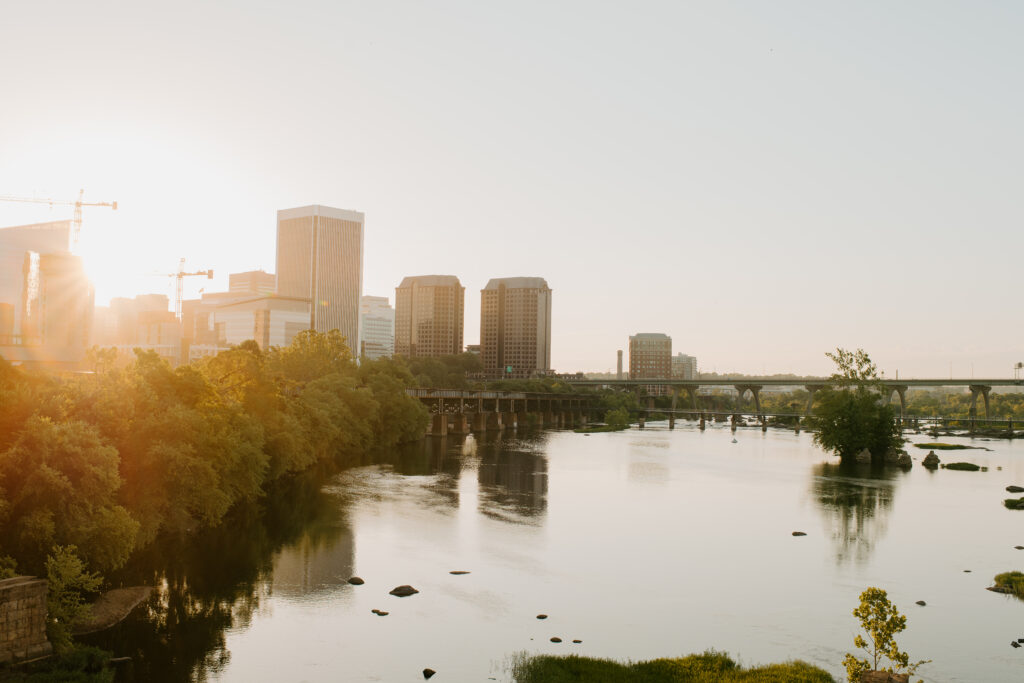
column 618, row 367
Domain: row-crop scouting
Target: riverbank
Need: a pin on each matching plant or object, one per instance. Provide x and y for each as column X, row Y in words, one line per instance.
column 709, row 667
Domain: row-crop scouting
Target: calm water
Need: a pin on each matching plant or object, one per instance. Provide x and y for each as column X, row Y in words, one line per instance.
column 641, row 543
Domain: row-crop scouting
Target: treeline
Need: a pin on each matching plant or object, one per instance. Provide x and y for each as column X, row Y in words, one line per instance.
column 464, row 371
column 108, row 462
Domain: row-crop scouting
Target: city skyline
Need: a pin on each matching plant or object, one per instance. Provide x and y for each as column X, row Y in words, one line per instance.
column 799, row 177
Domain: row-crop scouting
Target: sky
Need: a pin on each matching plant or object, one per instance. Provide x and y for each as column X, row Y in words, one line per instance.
column 761, row 181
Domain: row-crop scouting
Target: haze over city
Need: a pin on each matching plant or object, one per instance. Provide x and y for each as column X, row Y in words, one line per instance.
column 761, row 182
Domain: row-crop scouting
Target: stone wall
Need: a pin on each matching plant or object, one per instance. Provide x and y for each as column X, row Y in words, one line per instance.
column 23, row 619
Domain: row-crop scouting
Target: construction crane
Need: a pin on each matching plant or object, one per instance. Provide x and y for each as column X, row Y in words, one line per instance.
column 76, row 223
column 180, row 277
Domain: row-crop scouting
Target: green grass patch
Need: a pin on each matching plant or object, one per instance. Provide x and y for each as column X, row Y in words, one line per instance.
column 1012, row 580
column 600, row 428
column 1014, row 503
column 962, row 466
column 709, row 667
column 940, row 446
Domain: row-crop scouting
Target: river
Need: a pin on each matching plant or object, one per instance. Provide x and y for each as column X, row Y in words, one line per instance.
column 641, row 544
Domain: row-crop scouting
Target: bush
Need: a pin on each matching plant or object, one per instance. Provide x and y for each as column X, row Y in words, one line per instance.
column 1012, row 580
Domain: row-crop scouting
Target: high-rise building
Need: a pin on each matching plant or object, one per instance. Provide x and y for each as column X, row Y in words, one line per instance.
column 684, row 367
column 428, row 316
column 378, row 327
column 252, row 282
column 320, row 258
column 515, row 327
column 650, row 356
column 57, row 301
column 15, row 242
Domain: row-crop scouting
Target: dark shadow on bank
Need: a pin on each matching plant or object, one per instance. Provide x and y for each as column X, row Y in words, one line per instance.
column 216, row 579
column 855, row 501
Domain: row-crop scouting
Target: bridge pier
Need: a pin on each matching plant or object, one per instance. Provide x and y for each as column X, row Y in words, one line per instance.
column 975, row 390
column 494, row 422
column 439, row 425
column 735, row 417
column 478, row 423
column 811, row 389
column 458, row 424
column 508, row 420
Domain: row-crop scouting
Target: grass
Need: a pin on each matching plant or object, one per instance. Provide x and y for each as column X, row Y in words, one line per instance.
column 600, row 428
column 963, row 466
column 1012, row 580
column 940, row 446
column 709, row 667
column 1014, row 503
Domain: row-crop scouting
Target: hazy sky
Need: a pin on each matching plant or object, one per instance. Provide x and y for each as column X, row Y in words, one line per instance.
column 763, row 181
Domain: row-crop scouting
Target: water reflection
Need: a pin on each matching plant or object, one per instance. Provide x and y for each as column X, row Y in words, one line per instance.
column 216, row 581
column 437, row 457
column 513, row 478
column 855, row 501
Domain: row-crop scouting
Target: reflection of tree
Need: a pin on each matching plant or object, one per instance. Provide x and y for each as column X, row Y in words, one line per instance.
column 513, row 481
column 214, row 581
column 855, row 501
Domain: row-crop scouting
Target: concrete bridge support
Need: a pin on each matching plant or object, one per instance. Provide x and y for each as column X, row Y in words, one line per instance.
column 509, row 420
column 755, row 391
column 458, row 424
column 983, row 390
column 702, row 420
column 439, row 425
column 494, row 422
column 811, row 390
column 478, row 422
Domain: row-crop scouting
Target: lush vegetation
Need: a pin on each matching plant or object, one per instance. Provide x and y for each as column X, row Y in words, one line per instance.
column 1014, row 503
column 881, row 622
column 95, row 467
column 852, row 416
column 939, row 446
column 1013, row 581
column 962, row 466
column 709, row 667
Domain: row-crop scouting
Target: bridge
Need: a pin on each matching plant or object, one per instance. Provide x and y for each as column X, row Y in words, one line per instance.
column 453, row 411
column 978, row 387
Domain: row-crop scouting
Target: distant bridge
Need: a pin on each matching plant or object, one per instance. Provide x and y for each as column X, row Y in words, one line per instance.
column 978, row 387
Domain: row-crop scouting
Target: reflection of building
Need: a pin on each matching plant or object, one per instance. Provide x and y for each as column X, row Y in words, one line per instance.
column 252, row 282
column 515, row 327
column 320, row 258
column 15, row 242
column 428, row 316
column 378, row 327
column 269, row 320
column 513, row 483
column 684, row 367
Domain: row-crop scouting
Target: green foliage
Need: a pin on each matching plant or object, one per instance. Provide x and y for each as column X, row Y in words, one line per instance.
column 69, row 584
column 1014, row 581
column 709, row 667
column 850, row 418
column 939, row 446
column 962, row 466
column 617, row 418
column 444, row 372
column 8, row 567
column 75, row 664
column 881, row 621
column 1014, row 503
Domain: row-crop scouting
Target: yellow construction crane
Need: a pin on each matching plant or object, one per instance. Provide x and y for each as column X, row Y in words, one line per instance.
column 180, row 277
column 77, row 203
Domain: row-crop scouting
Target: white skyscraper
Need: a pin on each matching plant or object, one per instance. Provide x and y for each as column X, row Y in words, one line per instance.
column 378, row 327
column 320, row 258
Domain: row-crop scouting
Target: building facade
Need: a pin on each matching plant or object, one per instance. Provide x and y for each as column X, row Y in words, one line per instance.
column 650, row 356
column 15, row 242
column 320, row 258
column 268, row 320
column 378, row 327
column 684, row 367
column 57, row 303
column 429, row 313
column 252, row 282
column 515, row 327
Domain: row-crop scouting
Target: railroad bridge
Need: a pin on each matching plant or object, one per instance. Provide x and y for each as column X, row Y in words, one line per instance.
column 454, row 411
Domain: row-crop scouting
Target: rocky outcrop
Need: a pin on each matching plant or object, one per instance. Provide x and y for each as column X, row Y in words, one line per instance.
column 931, row 461
column 864, row 457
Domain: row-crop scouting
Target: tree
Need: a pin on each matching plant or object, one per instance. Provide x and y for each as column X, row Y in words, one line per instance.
column 882, row 621
column 851, row 417
column 617, row 418
column 69, row 583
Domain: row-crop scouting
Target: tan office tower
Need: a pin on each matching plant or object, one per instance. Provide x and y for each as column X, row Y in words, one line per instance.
column 515, row 327
column 320, row 258
column 428, row 316
column 58, row 302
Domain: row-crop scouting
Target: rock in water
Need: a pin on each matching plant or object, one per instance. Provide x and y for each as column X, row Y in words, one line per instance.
column 356, row 581
column 1018, row 547
column 864, row 457
column 556, row 639
column 577, row 641
column 921, row 602
column 799, row 533
column 542, row 616
column 403, row 591
column 905, row 461
column 1015, row 489
column 931, row 461
column 892, row 457
column 459, row 572
column 427, row 673
column 1014, row 643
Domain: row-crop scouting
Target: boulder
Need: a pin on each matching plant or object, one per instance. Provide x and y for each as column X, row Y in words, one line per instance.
column 403, row 591
column 921, row 602
column 427, row 673
column 892, row 457
column 864, row 457
column 356, row 581
column 577, row 641
column 556, row 639
column 542, row 616
column 459, row 572
column 799, row 533
column 1015, row 489
column 905, row 461
column 1018, row 547
column 931, row 461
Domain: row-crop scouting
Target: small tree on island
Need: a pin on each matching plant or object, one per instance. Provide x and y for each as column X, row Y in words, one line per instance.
column 882, row 621
column 851, row 415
